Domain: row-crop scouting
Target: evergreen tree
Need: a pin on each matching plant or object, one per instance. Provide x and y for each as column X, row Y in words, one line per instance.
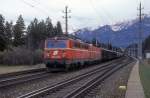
column 55, row 31
column 32, row 34
column 42, row 34
column 147, row 44
column 8, row 33
column 59, row 28
column 37, row 33
column 19, row 33
column 42, row 31
column 49, row 28
column 94, row 41
column 2, row 34
column 109, row 46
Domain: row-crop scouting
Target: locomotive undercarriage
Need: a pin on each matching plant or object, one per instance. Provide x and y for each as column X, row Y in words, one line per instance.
column 65, row 65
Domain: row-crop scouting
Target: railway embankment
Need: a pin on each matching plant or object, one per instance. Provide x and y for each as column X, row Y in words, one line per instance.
column 145, row 77
column 134, row 87
column 4, row 69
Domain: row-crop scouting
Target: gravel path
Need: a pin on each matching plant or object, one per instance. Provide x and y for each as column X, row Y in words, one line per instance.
column 110, row 87
column 8, row 69
column 17, row 90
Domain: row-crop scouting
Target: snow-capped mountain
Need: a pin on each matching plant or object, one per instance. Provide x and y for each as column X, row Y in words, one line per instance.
column 120, row 34
column 122, row 25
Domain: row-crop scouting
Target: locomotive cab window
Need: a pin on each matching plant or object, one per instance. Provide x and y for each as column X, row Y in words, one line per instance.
column 56, row 44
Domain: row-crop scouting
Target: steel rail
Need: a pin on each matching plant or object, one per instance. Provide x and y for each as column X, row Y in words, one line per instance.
column 22, row 78
column 69, row 81
column 79, row 92
column 12, row 74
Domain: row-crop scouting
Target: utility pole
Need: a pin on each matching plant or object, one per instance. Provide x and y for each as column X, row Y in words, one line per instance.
column 140, row 54
column 66, row 11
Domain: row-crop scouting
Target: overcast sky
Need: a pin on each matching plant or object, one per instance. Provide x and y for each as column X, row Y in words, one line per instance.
column 84, row 13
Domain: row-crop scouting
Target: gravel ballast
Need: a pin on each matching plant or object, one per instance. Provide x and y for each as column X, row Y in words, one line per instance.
column 110, row 87
column 23, row 88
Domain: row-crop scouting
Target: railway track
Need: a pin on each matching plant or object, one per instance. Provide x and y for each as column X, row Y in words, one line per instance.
column 12, row 74
column 78, row 85
column 22, row 76
column 14, row 78
column 80, row 91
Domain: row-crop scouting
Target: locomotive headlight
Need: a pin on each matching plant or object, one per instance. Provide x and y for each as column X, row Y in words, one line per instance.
column 48, row 55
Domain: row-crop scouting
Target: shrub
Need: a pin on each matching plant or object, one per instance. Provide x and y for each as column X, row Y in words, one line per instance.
column 1, row 57
column 21, row 56
column 37, row 56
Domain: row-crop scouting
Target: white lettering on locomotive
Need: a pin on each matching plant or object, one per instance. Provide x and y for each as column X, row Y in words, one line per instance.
column 55, row 52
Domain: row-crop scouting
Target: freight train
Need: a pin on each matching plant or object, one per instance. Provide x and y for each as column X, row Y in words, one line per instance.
column 64, row 53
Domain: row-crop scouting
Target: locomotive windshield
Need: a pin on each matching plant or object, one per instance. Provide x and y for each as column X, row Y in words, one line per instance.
column 56, row 44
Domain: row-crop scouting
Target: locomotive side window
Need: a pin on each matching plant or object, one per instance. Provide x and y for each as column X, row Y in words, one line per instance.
column 76, row 45
column 80, row 45
column 56, row 44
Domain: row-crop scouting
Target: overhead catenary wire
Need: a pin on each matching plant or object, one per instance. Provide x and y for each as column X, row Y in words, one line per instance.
column 35, row 7
column 108, row 15
column 100, row 18
column 45, row 6
column 109, row 18
column 68, row 2
column 2, row 11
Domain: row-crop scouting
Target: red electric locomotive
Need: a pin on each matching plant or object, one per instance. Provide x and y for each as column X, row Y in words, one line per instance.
column 65, row 53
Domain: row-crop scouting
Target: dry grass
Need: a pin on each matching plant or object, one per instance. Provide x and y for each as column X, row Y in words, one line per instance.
column 21, row 56
column 145, row 78
column 15, row 68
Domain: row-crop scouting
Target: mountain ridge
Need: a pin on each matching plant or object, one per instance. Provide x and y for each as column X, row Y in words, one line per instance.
column 120, row 34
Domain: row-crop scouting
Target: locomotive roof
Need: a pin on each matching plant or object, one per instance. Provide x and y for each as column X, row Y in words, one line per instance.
column 65, row 37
